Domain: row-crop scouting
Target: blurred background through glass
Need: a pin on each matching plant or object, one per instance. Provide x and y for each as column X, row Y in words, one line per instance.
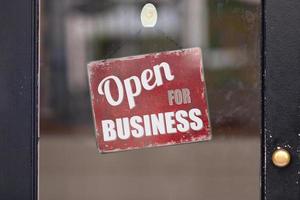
column 75, row 32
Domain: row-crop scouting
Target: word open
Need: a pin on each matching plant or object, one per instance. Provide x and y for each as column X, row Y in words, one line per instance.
column 132, row 86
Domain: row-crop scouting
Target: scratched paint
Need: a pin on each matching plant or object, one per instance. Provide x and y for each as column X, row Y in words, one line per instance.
column 149, row 100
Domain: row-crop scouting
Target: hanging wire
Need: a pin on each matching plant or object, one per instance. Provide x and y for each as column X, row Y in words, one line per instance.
column 113, row 51
column 169, row 38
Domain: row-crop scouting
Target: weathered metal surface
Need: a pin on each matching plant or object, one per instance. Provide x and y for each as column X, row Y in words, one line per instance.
column 149, row 100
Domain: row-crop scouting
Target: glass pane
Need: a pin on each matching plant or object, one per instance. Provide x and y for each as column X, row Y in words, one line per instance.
column 74, row 33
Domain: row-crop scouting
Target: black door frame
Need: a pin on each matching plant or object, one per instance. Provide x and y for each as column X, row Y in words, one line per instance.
column 19, row 79
column 281, row 97
column 19, row 99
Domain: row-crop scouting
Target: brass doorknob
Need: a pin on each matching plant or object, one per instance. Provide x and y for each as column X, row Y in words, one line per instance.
column 281, row 158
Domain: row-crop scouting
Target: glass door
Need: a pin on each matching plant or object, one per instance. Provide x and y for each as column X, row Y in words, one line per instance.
column 73, row 33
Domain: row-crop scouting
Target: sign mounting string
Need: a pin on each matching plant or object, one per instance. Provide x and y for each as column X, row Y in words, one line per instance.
column 144, row 16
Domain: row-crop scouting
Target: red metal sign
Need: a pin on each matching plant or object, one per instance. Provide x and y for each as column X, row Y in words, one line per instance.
column 149, row 100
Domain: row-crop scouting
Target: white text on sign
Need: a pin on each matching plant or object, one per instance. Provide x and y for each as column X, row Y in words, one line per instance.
column 147, row 76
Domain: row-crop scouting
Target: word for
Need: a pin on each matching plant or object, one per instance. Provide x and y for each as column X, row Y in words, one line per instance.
column 180, row 96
